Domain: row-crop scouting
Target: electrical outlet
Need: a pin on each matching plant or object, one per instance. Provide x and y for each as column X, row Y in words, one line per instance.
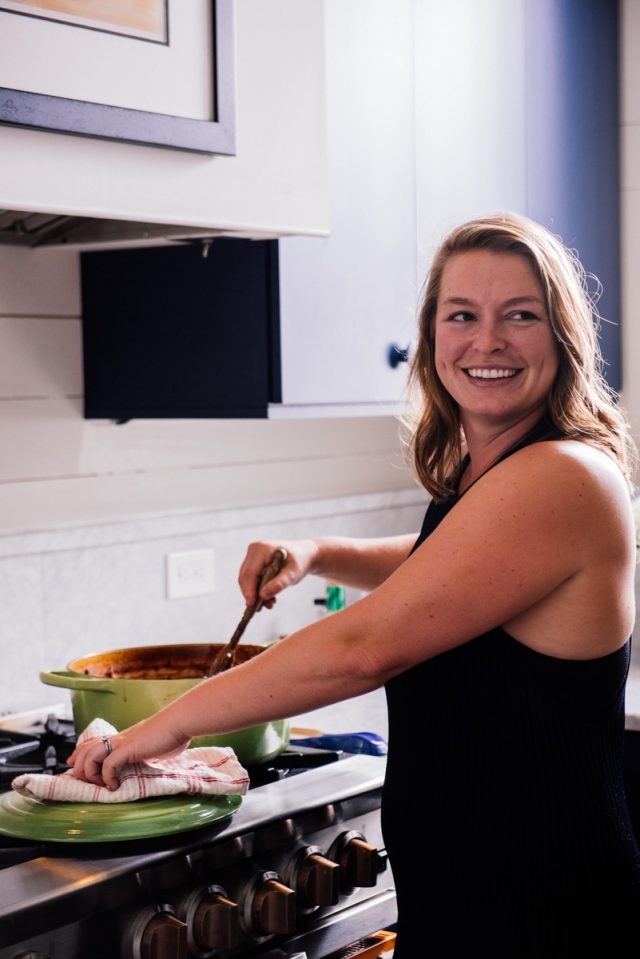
column 190, row 573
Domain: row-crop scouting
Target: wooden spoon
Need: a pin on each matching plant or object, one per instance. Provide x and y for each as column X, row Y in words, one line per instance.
column 225, row 657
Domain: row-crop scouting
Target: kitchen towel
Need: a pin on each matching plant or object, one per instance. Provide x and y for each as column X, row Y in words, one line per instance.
column 210, row 770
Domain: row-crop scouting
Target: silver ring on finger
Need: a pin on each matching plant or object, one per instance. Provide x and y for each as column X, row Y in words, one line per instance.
column 108, row 745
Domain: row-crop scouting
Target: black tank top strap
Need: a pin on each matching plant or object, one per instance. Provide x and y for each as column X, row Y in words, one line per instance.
column 543, row 430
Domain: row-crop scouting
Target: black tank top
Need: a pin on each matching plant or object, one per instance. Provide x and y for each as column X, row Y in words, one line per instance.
column 504, row 811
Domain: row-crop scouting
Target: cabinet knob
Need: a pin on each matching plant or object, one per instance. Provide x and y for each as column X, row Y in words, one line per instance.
column 318, row 881
column 396, row 355
column 274, row 908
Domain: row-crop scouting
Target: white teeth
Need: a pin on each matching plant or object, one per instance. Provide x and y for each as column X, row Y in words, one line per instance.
column 490, row 374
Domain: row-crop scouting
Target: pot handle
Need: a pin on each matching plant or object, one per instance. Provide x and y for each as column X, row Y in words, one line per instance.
column 70, row 680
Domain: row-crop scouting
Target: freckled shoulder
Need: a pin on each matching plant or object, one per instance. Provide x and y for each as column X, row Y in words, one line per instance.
column 576, row 477
column 581, row 464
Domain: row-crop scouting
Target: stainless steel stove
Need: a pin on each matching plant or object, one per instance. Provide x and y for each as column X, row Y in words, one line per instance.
column 298, row 871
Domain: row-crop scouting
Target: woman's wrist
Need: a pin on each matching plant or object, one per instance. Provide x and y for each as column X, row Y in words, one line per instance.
column 319, row 565
column 180, row 716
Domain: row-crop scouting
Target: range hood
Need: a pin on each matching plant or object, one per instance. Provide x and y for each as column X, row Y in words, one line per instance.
column 31, row 229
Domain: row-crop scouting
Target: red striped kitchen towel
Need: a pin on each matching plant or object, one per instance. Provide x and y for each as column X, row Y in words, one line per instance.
column 210, row 770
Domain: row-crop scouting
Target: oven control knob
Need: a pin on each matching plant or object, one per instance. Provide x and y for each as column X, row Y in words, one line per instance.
column 212, row 919
column 154, row 932
column 359, row 861
column 164, row 937
column 215, row 923
column 273, row 907
column 318, row 881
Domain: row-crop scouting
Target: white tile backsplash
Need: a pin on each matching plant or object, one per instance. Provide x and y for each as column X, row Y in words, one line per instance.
column 22, row 638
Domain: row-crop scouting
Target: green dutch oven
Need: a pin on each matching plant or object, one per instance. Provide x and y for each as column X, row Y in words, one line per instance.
column 124, row 686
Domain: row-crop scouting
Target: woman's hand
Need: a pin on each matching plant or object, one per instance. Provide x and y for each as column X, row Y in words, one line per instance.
column 302, row 556
column 149, row 739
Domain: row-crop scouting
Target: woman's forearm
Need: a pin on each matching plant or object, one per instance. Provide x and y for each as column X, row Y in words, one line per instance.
column 316, row 666
column 361, row 563
column 343, row 655
column 313, row 667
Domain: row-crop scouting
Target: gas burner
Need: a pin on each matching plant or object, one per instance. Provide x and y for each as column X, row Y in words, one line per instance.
column 289, row 763
column 15, row 744
column 42, row 749
column 54, row 731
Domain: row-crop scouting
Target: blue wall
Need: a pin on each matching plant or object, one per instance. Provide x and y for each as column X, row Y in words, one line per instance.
column 573, row 142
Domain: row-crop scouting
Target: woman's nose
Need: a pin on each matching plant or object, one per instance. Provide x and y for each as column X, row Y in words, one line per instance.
column 489, row 336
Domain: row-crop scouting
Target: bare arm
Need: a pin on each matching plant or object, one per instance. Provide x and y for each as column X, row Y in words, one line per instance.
column 517, row 538
column 360, row 563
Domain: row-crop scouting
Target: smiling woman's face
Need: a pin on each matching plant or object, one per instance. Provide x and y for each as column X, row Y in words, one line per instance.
column 495, row 351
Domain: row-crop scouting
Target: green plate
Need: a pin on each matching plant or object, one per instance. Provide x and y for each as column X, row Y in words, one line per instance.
column 38, row 819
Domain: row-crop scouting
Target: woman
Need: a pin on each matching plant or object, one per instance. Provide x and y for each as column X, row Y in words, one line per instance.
column 503, row 638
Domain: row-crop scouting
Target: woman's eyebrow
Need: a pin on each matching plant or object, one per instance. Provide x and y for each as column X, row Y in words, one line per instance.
column 523, row 299
column 464, row 301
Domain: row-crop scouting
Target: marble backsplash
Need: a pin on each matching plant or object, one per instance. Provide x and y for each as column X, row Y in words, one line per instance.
column 67, row 593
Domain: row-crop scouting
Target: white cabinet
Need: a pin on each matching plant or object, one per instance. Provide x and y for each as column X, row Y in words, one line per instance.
column 276, row 184
column 426, row 129
column 344, row 299
column 470, row 114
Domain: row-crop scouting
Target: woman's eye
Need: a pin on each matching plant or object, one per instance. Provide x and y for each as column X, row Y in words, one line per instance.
column 522, row 315
column 461, row 317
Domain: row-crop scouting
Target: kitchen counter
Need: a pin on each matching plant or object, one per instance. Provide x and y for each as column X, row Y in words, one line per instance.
column 632, row 709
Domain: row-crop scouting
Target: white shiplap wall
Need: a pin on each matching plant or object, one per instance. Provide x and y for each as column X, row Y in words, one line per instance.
column 57, row 470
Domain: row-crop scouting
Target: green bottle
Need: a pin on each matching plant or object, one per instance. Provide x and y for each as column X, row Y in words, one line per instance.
column 335, row 598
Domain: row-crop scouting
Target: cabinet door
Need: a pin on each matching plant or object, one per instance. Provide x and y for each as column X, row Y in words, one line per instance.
column 168, row 332
column 470, row 115
column 344, row 299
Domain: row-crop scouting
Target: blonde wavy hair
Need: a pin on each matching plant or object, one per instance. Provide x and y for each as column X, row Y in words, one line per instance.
column 580, row 403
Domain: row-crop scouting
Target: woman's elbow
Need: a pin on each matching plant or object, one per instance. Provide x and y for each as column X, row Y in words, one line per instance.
column 368, row 666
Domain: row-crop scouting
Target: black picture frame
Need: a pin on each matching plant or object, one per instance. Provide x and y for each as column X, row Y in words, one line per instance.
column 80, row 118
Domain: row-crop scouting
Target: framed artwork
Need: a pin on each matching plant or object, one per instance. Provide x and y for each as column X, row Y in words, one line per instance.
column 144, row 19
column 136, row 71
